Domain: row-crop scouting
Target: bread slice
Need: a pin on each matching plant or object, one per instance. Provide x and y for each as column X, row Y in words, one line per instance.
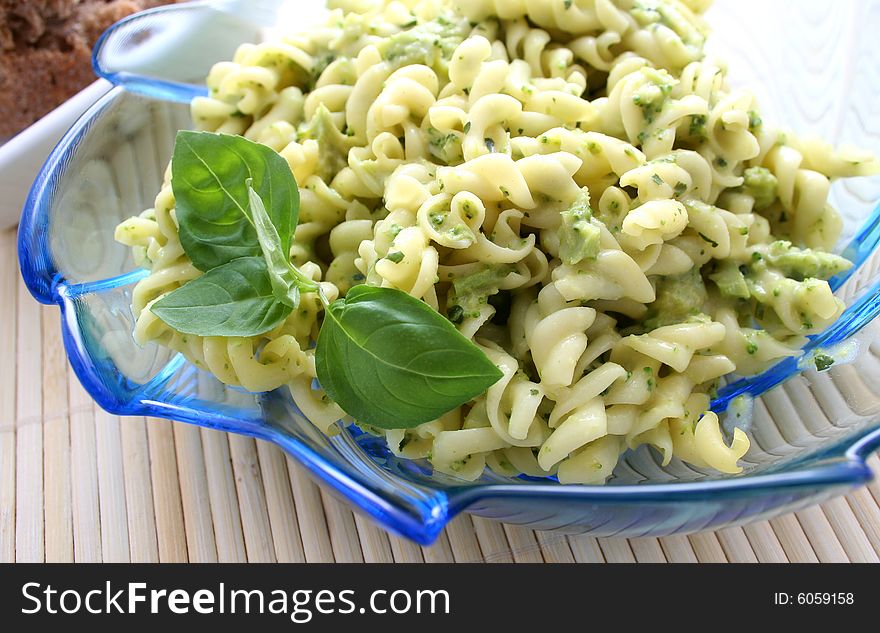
column 45, row 52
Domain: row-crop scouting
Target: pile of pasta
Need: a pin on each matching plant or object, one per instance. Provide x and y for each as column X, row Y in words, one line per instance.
column 571, row 182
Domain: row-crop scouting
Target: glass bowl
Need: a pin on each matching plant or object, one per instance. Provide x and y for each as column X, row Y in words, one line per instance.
column 810, row 436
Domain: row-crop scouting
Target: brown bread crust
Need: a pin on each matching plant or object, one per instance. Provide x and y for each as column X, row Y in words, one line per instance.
column 45, row 52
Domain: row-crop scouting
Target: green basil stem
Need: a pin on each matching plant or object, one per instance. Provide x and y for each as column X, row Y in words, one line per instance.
column 306, row 284
column 288, row 282
column 323, row 298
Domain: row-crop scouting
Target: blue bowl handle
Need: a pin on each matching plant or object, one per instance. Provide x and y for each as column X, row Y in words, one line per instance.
column 166, row 52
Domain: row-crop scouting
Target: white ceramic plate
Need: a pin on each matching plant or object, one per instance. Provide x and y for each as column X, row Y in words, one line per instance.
column 22, row 156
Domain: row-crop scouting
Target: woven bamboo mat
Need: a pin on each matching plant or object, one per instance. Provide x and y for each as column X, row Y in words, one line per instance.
column 78, row 484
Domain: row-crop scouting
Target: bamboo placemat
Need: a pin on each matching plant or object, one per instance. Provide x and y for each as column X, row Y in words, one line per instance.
column 78, row 484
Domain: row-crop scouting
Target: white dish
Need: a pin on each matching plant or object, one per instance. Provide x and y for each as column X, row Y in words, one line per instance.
column 22, row 156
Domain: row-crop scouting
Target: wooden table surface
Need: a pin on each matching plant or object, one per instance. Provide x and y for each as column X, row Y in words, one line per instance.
column 78, row 484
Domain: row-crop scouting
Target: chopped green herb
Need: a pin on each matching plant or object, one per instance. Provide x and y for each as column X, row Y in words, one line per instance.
column 754, row 120
column 822, row 361
column 455, row 314
column 709, row 240
column 698, row 125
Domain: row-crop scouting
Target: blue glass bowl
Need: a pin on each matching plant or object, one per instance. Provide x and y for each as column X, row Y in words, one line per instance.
column 810, row 436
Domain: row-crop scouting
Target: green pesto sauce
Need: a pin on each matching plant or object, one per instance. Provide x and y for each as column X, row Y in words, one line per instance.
column 755, row 121
column 652, row 96
column 431, row 43
column 471, row 292
column 332, row 143
column 760, row 184
column 740, row 411
column 698, row 126
column 578, row 237
column 649, row 13
column 678, row 299
column 730, row 280
column 439, row 218
column 803, row 263
column 445, row 147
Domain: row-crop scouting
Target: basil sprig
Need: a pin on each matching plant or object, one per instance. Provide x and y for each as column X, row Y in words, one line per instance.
column 385, row 357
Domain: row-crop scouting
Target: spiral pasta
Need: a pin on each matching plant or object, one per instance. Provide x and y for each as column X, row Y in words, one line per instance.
column 571, row 182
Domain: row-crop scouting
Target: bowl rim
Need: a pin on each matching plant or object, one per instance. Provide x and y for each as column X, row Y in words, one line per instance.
column 136, row 83
column 422, row 512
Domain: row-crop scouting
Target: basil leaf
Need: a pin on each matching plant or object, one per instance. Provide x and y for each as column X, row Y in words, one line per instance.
column 392, row 362
column 277, row 263
column 209, row 174
column 234, row 299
